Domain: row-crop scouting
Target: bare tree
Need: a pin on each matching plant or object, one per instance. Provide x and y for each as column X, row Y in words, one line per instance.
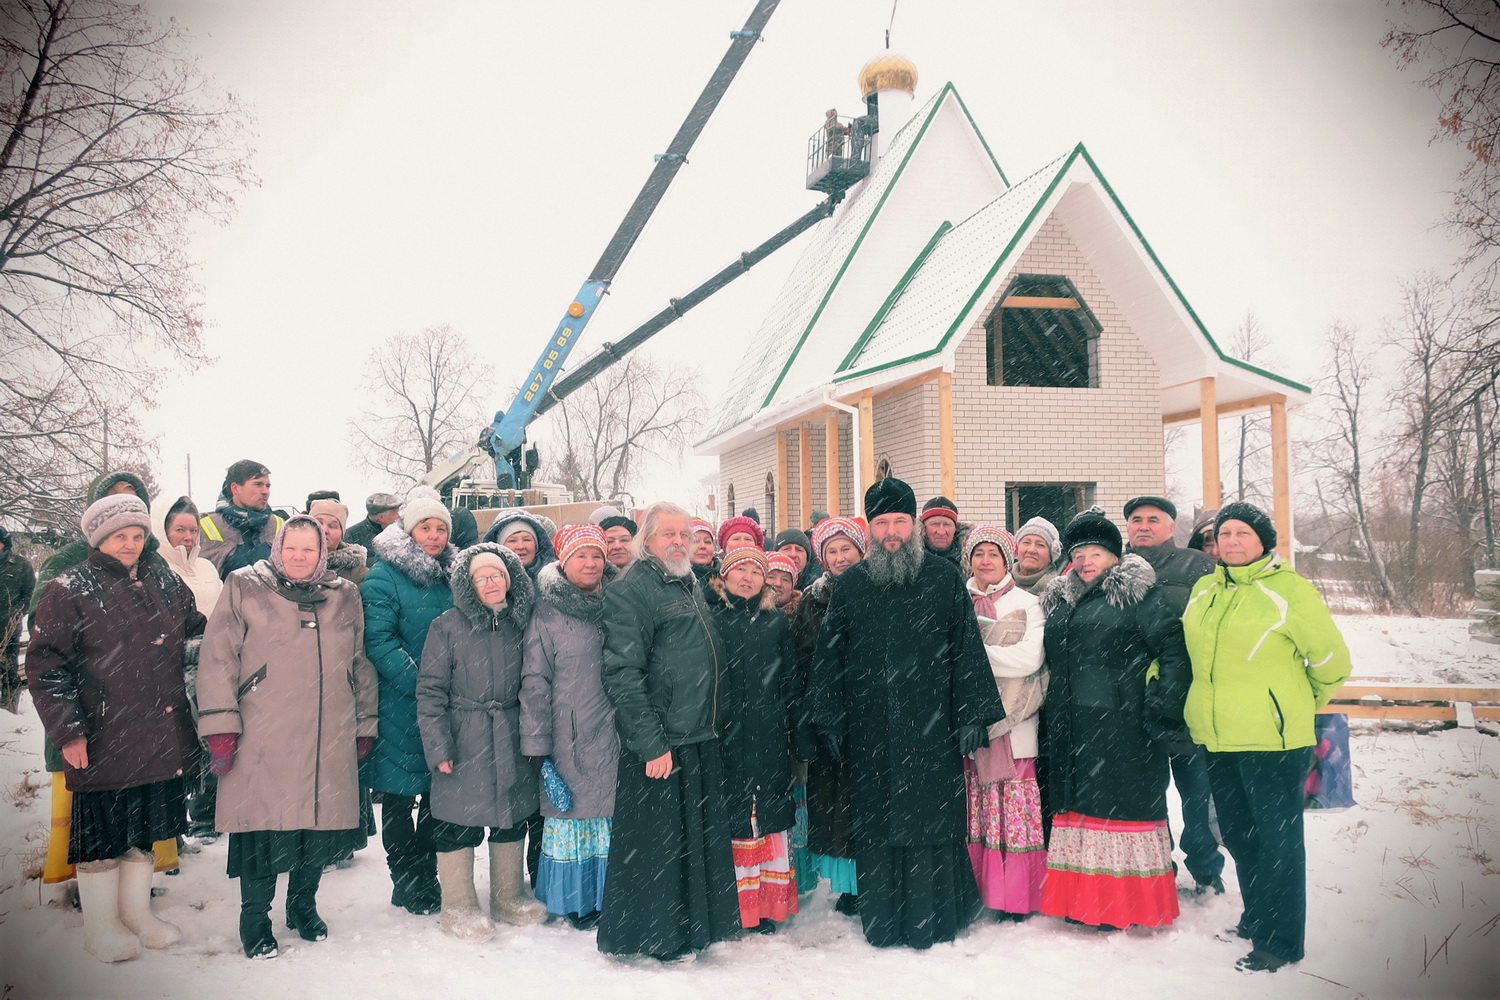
column 1457, row 43
column 428, row 394
column 1340, row 458
column 1252, row 433
column 111, row 146
column 1446, row 356
column 634, row 410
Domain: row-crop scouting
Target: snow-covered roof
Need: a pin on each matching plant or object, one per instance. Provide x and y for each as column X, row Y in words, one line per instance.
column 888, row 287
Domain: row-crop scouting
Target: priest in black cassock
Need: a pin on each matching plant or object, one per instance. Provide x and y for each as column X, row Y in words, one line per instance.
column 902, row 689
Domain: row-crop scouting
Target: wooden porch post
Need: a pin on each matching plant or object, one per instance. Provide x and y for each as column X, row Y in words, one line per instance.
column 947, row 461
column 866, row 446
column 1208, row 421
column 804, row 475
column 831, row 461
column 781, row 481
column 1281, row 480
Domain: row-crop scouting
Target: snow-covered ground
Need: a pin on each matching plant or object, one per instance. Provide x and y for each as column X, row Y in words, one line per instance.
column 1404, row 901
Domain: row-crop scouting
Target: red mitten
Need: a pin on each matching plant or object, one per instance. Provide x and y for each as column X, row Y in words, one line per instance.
column 363, row 745
column 221, row 749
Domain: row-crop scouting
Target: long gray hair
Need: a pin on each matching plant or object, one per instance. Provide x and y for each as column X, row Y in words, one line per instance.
column 651, row 521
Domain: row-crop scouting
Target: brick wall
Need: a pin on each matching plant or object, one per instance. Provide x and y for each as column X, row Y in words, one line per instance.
column 906, row 432
column 745, row 468
column 1110, row 436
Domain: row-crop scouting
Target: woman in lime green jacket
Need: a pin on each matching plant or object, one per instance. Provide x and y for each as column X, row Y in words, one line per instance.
column 1266, row 656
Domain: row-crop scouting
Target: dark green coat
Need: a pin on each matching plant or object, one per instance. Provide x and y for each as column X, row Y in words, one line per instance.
column 662, row 660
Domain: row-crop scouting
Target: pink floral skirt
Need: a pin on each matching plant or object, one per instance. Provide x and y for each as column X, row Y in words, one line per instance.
column 1005, row 838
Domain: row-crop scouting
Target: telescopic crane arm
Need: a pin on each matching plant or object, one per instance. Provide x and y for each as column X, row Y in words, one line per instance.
column 504, row 437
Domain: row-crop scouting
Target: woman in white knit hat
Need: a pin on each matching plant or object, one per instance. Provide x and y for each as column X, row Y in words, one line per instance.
column 404, row 592
column 105, row 669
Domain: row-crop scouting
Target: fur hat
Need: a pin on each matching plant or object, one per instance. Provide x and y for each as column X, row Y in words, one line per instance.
column 940, row 507
column 379, row 503
column 414, row 512
column 1092, row 527
column 742, row 554
column 890, row 496
column 1160, row 503
column 111, row 513
column 336, row 510
column 779, row 561
column 701, row 525
column 1259, row 521
column 741, row 523
column 852, row 528
column 1046, row 531
column 995, row 535
column 571, row 538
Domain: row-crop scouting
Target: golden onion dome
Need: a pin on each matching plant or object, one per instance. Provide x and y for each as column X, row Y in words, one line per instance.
column 888, row 71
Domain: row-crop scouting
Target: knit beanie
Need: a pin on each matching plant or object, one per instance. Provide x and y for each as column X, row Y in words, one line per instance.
column 852, row 528
column 742, row 554
column 572, row 538
column 515, row 525
column 414, row 512
column 1046, row 531
column 741, row 523
column 889, row 496
column 1160, row 503
column 546, row 524
column 1259, row 521
column 111, row 513
column 1092, row 527
column 995, row 535
column 336, row 510
column 794, row 536
column 301, row 521
column 940, row 507
column 701, row 525
column 783, row 562
column 488, row 560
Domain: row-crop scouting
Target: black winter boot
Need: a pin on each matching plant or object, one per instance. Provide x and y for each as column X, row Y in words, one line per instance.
column 302, row 904
column 255, row 916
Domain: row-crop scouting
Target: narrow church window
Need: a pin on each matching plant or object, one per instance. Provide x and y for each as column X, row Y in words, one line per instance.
column 1057, row 502
column 729, row 508
column 1042, row 334
column 770, row 512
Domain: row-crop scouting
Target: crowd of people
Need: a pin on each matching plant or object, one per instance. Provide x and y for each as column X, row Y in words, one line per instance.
column 673, row 731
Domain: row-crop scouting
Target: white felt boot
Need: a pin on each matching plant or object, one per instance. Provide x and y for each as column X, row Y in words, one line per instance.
column 135, row 903
column 511, row 900
column 104, row 936
column 461, row 916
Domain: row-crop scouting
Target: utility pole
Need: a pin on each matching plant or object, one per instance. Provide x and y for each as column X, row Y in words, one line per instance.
column 1482, row 476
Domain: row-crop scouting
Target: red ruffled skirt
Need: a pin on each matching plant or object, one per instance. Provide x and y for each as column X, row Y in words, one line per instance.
column 1110, row 871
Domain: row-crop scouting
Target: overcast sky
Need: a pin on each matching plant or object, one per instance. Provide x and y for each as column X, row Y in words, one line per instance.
column 465, row 163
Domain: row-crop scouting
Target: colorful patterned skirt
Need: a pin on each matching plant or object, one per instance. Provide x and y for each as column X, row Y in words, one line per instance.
column 1110, row 872
column 765, row 878
column 1005, row 838
column 575, row 854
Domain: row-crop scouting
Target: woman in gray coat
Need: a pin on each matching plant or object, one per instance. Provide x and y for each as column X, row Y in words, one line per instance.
column 287, row 705
column 468, row 712
column 565, row 715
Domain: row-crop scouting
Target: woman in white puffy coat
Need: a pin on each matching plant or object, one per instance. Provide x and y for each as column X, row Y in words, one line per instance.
column 1005, row 809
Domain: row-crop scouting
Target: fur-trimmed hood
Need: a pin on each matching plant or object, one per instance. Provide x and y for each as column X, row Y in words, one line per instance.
column 724, row 597
column 347, row 557
column 545, row 554
column 1124, row 584
column 395, row 546
column 558, row 591
column 519, row 596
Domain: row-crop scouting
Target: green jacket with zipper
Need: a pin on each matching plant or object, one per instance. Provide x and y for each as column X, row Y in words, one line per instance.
column 662, row 659
column 1266, row 656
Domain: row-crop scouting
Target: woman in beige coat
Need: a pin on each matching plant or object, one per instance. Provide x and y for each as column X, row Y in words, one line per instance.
column 287, row 705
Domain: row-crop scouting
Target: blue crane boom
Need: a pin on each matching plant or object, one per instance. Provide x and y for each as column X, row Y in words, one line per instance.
column 504, row 437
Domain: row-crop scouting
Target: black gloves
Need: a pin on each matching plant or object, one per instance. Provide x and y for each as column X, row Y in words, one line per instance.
column 970, row 738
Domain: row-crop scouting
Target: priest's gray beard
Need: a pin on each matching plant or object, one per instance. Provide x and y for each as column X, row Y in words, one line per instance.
column 895, row 569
